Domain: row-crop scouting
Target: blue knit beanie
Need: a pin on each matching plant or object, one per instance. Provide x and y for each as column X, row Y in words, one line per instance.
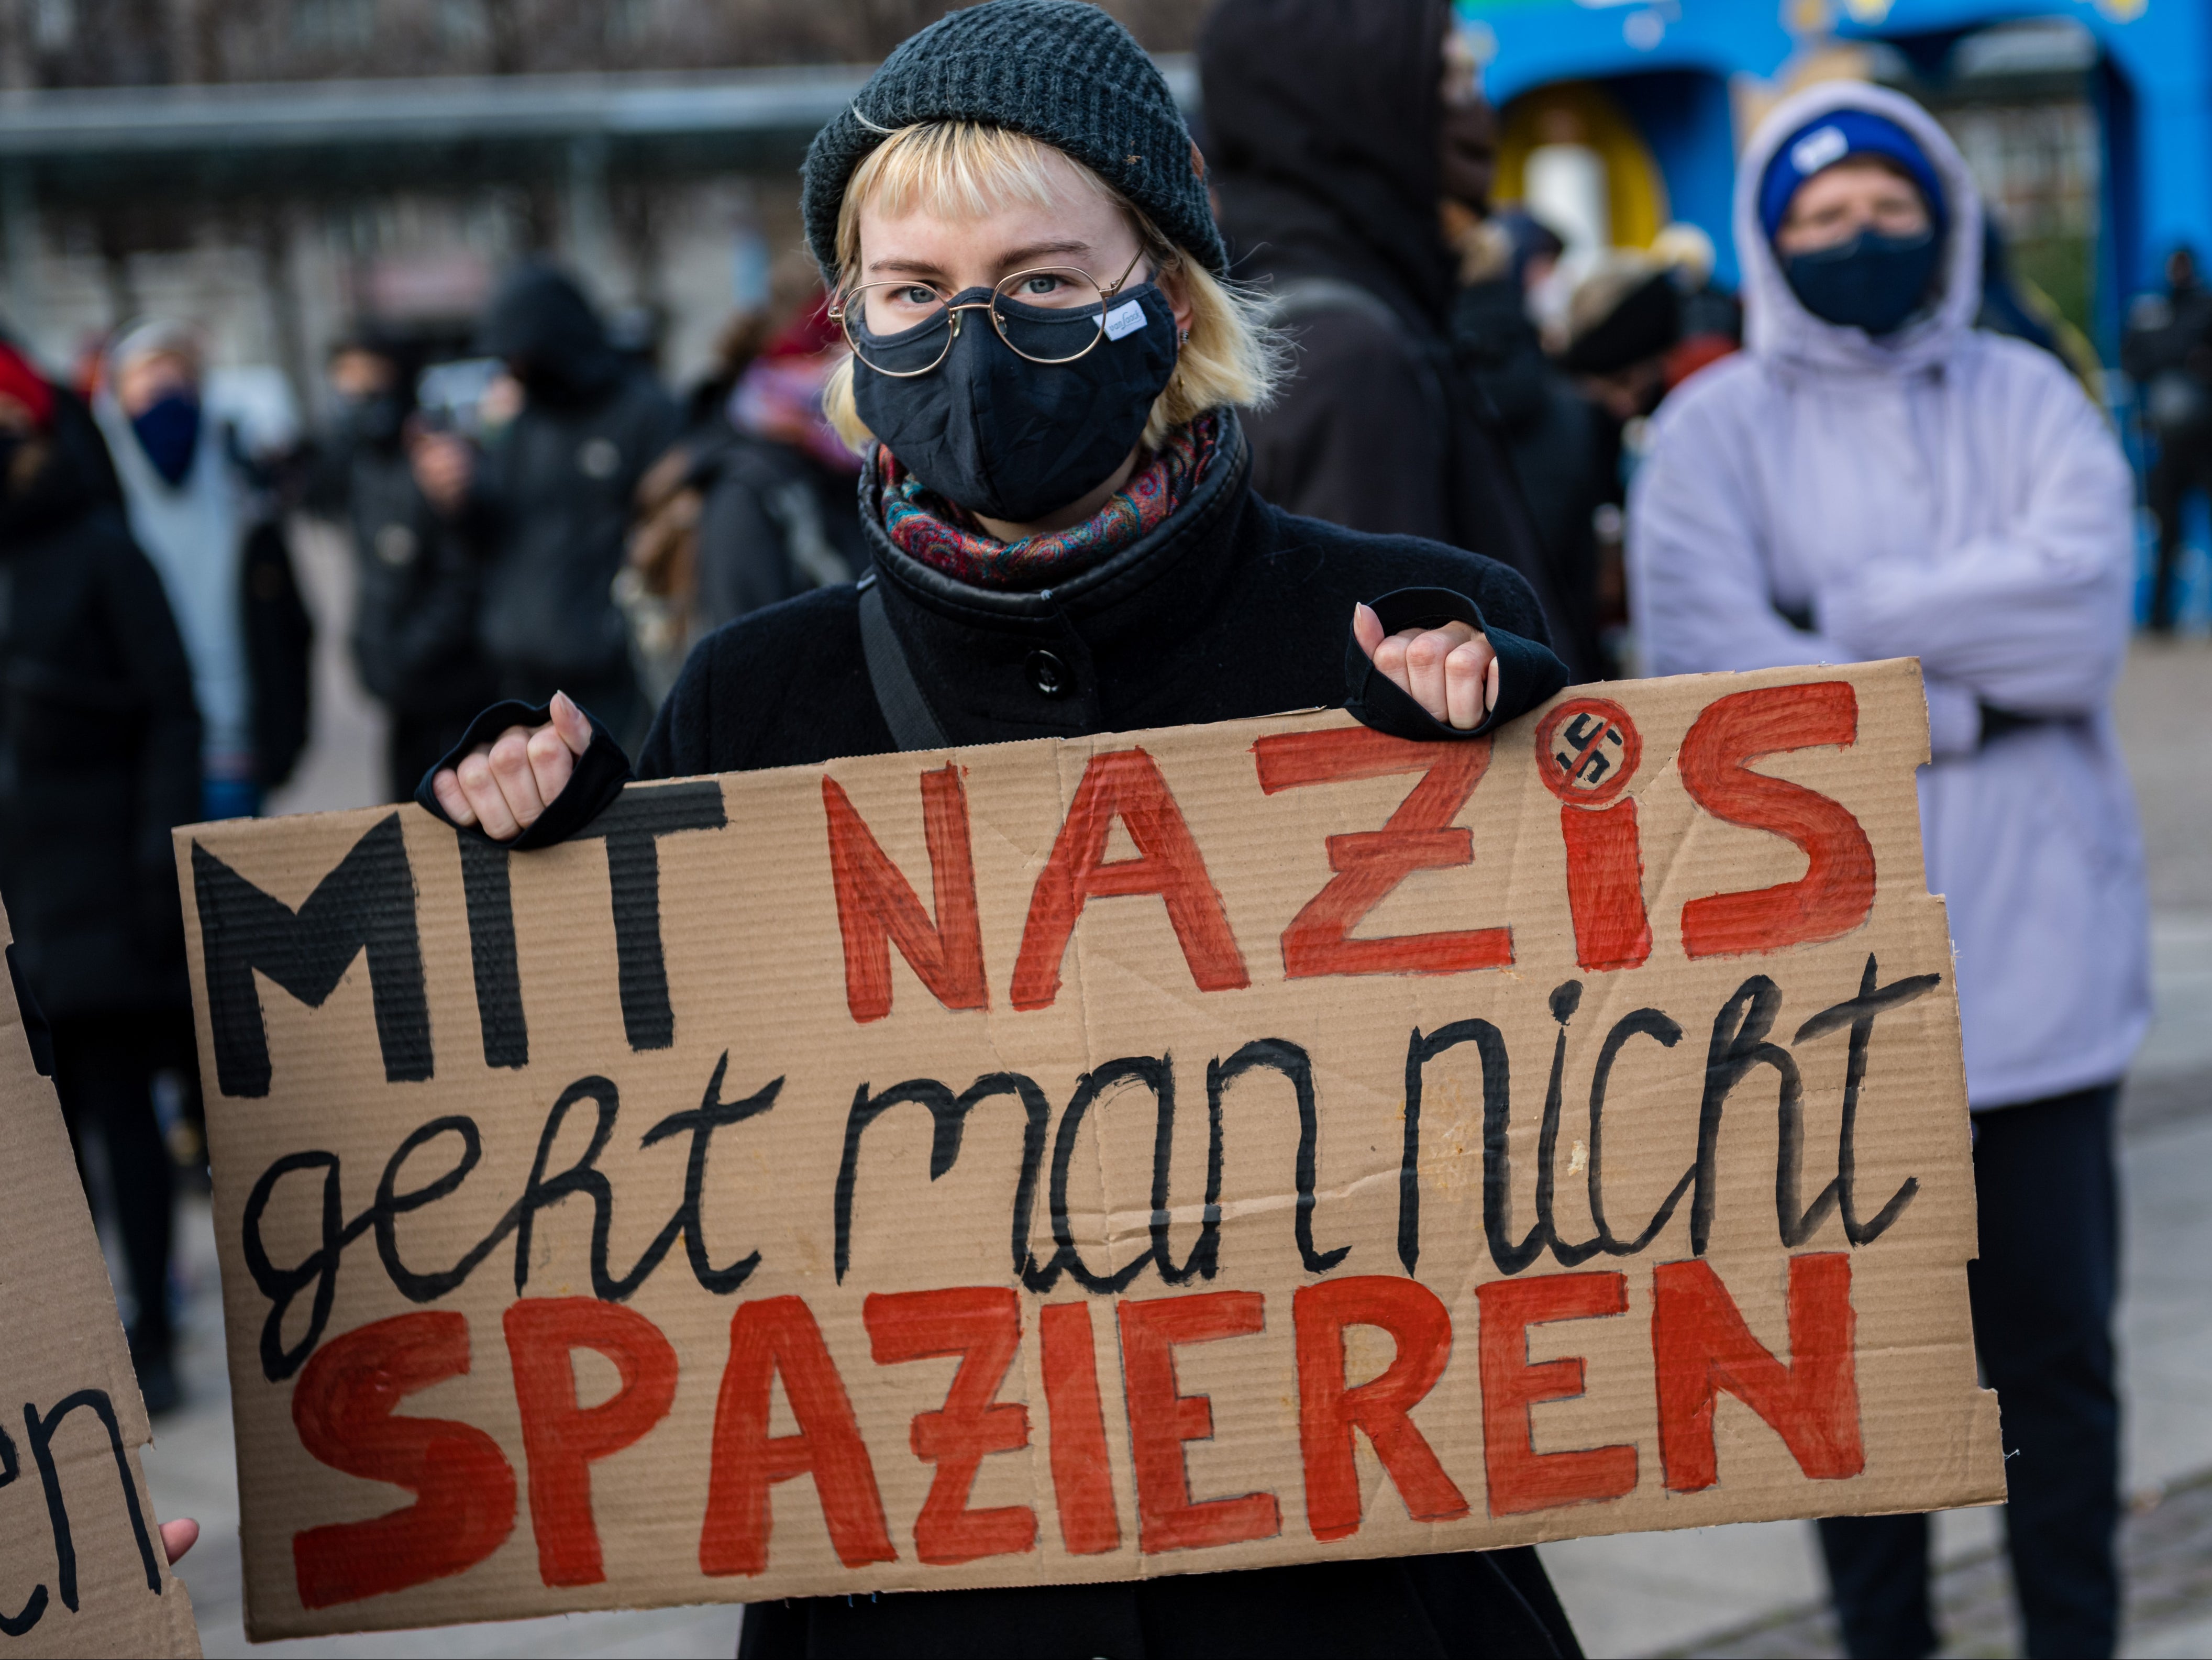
column 1063, row 72
column 1827, row 139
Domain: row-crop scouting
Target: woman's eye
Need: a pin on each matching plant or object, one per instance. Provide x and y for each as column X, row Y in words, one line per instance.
column 1041, row 284
column 917, row 297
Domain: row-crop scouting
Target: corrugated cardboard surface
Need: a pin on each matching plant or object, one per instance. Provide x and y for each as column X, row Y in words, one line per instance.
column 757, row 991
column 71, row 1532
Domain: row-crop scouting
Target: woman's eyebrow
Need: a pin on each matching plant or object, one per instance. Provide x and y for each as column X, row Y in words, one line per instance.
column 1013, row 259
column 910, row 267
column 1017, row 257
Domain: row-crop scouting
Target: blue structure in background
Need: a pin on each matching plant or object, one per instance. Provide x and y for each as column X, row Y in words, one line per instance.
column 1670, row 64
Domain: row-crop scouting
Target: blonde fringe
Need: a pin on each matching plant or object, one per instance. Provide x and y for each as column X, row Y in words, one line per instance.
column 964, row 170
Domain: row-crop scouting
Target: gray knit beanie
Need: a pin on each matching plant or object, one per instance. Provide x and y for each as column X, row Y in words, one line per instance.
column 1063, row 72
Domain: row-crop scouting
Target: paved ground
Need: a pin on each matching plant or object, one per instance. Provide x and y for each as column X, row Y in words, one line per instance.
column 1748, row 1591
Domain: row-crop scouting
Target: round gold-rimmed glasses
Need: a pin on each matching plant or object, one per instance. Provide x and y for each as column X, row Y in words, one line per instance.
column 1049, row 314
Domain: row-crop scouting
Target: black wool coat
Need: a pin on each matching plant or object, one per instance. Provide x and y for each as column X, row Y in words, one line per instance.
column 99, row 751
column 1230, row 609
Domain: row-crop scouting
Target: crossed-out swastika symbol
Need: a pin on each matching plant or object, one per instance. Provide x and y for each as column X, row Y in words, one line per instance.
column 1586, row 749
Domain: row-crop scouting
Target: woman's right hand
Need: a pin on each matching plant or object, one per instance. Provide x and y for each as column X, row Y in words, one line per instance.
column 505, row 786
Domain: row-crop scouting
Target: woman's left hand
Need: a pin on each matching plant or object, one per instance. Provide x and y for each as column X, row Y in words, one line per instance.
column 1450, row 671
column 177, row 1537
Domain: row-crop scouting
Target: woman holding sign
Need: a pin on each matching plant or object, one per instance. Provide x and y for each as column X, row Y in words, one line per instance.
column 1047, row 367
column 1874, row 478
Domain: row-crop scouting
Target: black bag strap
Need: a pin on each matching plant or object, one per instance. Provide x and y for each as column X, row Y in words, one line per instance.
column 913, row 724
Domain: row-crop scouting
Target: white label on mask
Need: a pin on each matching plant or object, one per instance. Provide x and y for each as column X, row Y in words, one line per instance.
column 1125, row 319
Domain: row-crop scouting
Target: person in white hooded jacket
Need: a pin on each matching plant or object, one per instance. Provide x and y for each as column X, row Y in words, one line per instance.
column 1872, row 478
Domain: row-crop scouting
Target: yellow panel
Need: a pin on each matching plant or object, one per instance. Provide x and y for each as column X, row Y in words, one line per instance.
column 1582, row 113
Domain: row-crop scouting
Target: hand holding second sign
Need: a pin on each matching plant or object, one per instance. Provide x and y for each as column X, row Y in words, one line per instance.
column 505, row 785
column 1450, row 671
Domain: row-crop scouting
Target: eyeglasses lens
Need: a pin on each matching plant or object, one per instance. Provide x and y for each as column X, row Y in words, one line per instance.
column 1048, row 316
column 899, row 328
column 1051, row 316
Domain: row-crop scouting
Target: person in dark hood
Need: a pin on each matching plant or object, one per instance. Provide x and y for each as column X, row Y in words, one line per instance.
column 416, row 580
column 548, row 507
column 1338, row 127
column 99, row 753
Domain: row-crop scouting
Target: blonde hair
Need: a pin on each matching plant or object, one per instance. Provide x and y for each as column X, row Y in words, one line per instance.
column 965, row 170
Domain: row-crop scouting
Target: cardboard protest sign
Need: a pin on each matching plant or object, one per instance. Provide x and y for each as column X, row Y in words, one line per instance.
column 82, row 1567
column 1074, row 1161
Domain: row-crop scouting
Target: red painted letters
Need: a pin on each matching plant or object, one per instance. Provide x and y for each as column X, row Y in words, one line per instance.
column 1417, row 1321
column 343, row 1408
column 560, row 1438
column 1836, row 893
column 1702, row 1347
column 875, row 904
column 982, row 1324
column 1161, row 1419
column 1082, row 1480
column 1127, row 785
column 1586, row 749
column 774, row 1336
column 1419, row 836
column 1605, row 886
column 1521, row 1478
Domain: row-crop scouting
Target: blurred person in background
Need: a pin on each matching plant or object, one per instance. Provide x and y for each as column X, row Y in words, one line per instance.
column 1623, row 336
column 780, row 519
column 1623, row 324
column 754, row 503
column 794, row 287
column 99, row 750
column 209, row 524
column 1338, row 128
column 2167, row 352
column 1872, row 478
column 416, row 580
column 1549, row 429
column 547, row 506
column 1712, row 318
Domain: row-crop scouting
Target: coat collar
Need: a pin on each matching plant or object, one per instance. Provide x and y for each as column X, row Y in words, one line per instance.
column 980, row 653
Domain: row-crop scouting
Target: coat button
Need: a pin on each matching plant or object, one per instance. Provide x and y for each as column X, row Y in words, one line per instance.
column 1048, row 674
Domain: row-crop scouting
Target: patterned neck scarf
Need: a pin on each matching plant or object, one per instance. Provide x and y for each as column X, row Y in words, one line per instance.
column 947, row 538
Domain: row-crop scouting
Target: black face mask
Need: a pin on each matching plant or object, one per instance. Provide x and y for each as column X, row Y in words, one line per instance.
column 1872, row 282
column 1007, row 438
column 376, row 419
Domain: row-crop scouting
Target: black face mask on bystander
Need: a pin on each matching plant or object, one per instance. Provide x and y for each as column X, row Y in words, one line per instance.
column 377, row 419
column 1870, row 282
column 994, row 432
